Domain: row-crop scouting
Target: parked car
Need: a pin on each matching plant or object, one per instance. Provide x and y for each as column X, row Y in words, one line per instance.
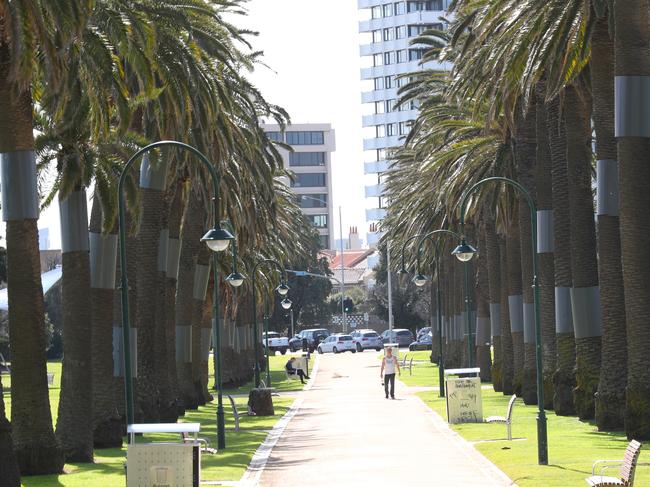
column 401, row 336
column 276, row 342
column 337, row 343
column 423, row 331
column 313, row 336
column 423, row 343
column 366, row 339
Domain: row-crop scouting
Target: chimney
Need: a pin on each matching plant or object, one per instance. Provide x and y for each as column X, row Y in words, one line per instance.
column 354, row 240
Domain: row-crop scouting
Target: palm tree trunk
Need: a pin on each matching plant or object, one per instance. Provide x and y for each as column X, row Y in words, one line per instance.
column 199, row 362
column 481, row 291
column 74, row 423
column 107, row 423
column 632, row 54
column 152, row 185
column 515, row 302
column 35, row 444
column 564, row 377
column 544, row 190
column 8, row 463
column 610, row 399
column 494, row 284
column 526, row 147
column 507, row 347
column 192, row 229
column 585, row 301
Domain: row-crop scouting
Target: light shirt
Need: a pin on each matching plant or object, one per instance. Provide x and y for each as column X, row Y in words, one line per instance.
column 389, row 364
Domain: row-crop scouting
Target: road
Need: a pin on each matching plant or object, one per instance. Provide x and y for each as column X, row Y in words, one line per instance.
column 347, row 433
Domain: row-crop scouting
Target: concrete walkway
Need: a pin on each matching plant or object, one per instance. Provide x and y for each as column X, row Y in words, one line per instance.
column 347, row 433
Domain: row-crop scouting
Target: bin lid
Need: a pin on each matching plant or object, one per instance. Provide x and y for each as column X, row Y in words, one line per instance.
column 475, row 370
column 164, row 428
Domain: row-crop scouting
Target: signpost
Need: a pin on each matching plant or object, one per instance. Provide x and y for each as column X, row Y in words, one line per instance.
column 464, row 402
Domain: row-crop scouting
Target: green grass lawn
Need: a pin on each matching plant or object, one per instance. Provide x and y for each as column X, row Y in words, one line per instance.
column 229, row 464
column 573, row 445
column 278, row 377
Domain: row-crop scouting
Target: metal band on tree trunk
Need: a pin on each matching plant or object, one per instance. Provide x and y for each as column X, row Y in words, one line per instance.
column 73, row 212
column 585, row 306
column 483, row 337
column 607, row 189
column 443, row 327
column 516, row 309
column 118, row 351
column 529, row 323
column 201, row 276
column 103, row 259
column 206, row 343
column 632, row 106
column 173, row 257
column 153, row 176
column 563, row 314
column 545, row 242
column 495, row 319
column 183, row 344
column 163, row 249
column 19, row 190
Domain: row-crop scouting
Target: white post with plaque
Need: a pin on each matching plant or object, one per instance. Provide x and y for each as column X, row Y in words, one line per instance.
column 464, row 402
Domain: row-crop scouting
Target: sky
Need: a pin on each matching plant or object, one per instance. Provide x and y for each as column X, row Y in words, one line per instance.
column 311, row 48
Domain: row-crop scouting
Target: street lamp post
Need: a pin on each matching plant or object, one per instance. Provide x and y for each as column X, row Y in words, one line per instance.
column 282, row 290
column 217, row 239
column 465, row 252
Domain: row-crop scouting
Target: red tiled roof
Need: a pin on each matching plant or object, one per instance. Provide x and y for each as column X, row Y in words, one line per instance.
column 351, row 258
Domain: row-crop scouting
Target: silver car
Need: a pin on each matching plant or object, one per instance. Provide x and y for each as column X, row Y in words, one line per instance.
column 364, row 339
column 401, row 336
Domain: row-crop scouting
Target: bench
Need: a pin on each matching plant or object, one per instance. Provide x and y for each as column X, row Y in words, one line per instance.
column 507, row 419
column 626, row 472
column 406, row 366
column 235, row 412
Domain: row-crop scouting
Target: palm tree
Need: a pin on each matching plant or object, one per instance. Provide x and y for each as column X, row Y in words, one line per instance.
column 481, row 291
column 507, row 345
column 8, row 464
column 632, row 55
column 494, row 284
column 515, row 306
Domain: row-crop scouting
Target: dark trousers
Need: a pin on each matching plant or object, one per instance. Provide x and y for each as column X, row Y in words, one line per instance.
column 389, row 378
column 300, row 374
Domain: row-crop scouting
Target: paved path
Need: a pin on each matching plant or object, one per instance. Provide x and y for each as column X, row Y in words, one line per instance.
column 347, row 433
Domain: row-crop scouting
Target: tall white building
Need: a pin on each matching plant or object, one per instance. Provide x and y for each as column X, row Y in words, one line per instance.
column 311, row 161
column 387, row 30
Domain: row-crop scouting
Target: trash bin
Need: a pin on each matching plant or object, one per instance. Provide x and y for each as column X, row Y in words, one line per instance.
column 463, row 397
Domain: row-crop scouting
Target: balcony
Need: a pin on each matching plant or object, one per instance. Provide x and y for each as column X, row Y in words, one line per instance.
column 375, row 191
column 377, row 47
column 382, row 142
column 375, row 214
column 391, row 117
column 373, row 238
column 391, row 69
column 375, row 167
column 422, row 17
column 379, row 95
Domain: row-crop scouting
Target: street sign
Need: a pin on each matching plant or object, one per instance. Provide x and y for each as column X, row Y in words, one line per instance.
column 300, row 273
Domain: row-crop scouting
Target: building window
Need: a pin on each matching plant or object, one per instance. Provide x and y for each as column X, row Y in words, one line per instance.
column 401, row 56
column 376, row 36
column 389, row 34
column 319, row 221
column 381, row 154
column 390, row 105
column 388, row 10
column 388, row 82
column 389, row 57
column 306, row 158
column 415, row 54
column 379, row 107
column 377, row 60
column 376, row 12
column 275, row 136
column 391, row 129
column 400, row 8
column 312, row 200
column 400, row 32
column 404, row 128
column 305, row 138
column 379, row 83
column 309, row 180
column 430, row 5
column 380, row 131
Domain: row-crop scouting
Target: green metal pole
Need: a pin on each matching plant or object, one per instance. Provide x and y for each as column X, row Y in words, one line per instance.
column 216, row 332
column 468, row 320
column 542, row 438
column 268, row 349
column 256, row 350
column 441, row 361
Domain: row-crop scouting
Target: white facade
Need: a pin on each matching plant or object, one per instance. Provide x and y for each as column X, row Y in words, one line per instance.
column 388, row 30
column 311, row 163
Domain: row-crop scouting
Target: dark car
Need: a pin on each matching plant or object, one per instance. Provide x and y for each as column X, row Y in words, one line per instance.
column 401, row 336
column 313, row 337
column 423, row 343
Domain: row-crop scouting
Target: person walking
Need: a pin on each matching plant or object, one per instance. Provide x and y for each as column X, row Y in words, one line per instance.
column 389, row 364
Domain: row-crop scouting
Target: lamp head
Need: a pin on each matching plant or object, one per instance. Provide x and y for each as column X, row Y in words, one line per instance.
column 420, row 279
column 464, row 252
column 402, row 271
column 282, row 290
column 286, row 303
column 217, row 239
column 235, row 279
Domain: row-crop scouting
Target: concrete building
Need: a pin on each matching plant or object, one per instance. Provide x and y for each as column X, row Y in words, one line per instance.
column 311, row 162
column 44, row 238
column 387, row 31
